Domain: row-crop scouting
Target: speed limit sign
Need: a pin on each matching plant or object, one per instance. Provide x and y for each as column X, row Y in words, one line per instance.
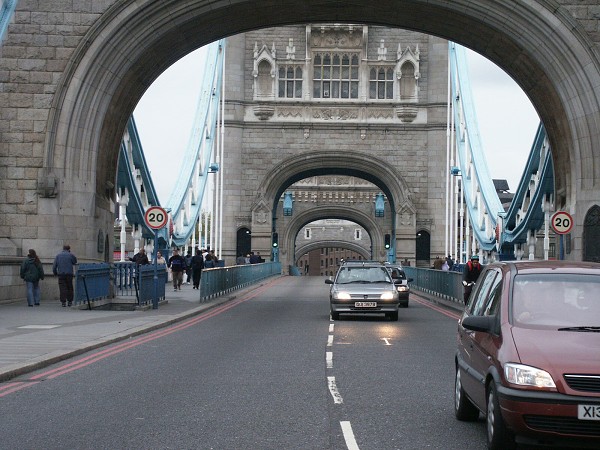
column 562, row 222
column 156, row 217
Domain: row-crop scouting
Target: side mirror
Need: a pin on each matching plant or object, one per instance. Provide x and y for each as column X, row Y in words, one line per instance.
column 410, row 279
column 328, row 281
column 486, row 324
column 397, row 281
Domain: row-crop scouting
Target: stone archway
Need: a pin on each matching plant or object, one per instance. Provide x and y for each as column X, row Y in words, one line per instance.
column 288, row 235
column 341, row 244
column 97, row 84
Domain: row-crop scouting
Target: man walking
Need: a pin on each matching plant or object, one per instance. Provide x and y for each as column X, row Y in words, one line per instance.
column 63, row 268
column 178, row 266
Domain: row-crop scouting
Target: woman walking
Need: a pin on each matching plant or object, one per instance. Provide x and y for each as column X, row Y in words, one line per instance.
column 32, row 272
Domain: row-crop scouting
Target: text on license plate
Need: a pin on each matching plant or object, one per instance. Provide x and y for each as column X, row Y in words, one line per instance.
column 365, row 304
column 588, row 412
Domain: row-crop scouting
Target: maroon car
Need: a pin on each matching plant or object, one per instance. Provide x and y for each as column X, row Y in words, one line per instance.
column 528, row 354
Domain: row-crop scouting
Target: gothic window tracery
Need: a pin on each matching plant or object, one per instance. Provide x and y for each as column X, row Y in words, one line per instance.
column 290, row 82
column 381, row 83
column 335, row 75
column 408, row 82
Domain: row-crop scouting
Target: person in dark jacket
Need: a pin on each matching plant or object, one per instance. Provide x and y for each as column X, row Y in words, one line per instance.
column 32, row 272
column 140, row 258
column 63, row 268
column 177, row 266
column 471, row 273
column 197, row 266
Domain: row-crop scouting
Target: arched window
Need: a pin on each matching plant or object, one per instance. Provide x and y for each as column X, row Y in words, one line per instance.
column 335, row 75
column 381, row 83
column 290, row 82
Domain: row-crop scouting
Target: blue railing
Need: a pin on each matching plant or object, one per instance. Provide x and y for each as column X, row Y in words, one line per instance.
column 92, row 282
column 129, row 282
column 221, row 280
column 440, row 283
column 146, row 283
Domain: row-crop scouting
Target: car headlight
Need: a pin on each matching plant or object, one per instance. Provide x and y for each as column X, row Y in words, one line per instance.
column 387, row 296
column 522, row 375
column 402, row 288
column 341, row 295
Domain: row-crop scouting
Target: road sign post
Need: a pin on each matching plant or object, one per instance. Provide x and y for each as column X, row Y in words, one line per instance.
column 156, row 218
column 562, row 223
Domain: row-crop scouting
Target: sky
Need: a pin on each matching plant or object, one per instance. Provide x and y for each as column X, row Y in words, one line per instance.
column 165, row 114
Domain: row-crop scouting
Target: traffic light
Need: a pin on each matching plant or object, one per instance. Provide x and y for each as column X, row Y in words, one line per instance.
column 388, row 241
column 275, row 240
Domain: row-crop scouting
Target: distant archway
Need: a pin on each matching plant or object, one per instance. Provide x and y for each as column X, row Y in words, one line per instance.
column 423, row 249
column 243, row 242
column 591, row 235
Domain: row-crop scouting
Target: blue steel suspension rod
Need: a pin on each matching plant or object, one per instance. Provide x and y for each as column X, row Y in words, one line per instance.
column 185, row 201
column 481, row 199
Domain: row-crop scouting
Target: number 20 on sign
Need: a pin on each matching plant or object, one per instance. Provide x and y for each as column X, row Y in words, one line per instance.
column 156, row 217
column 562, row 222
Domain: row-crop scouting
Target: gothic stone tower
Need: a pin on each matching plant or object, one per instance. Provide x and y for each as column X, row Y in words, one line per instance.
column 332, row 99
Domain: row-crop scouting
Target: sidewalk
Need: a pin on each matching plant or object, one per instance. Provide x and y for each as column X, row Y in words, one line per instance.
column 32, row 338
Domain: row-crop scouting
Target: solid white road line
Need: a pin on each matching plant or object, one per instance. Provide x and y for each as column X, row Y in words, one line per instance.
column 337, row 398
column 349, row 435
column 329, row 359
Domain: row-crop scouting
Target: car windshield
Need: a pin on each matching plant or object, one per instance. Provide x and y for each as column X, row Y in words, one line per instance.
column 564, row 301
column 348, row 275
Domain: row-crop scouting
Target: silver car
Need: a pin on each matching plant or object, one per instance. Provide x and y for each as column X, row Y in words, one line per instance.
column 363, row 287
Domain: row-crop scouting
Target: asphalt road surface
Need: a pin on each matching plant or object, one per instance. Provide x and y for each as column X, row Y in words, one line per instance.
column 266, row 371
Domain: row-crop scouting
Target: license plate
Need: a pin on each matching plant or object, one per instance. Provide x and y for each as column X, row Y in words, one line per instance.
column 365, row 304
column 588, row 412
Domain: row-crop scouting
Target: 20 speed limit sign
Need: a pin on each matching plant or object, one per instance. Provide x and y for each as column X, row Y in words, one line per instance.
column 156, row 217
column 562, row 222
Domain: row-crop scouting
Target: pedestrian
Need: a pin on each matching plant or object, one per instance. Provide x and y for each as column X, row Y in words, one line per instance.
column 63, row 267
column 450, row 262
column 140, row 258
column 188, row 269
column 445, row 266
column 437, row 264
column 32, row 272
column 240, row 260
column 160, row 259
column 254, row 258
column 197, row 266
column 177, row 266
column 471, row 273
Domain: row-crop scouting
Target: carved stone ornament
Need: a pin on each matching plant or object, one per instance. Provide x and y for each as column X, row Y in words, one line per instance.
column 407, row 113
column 264, row 111
column 261, row 217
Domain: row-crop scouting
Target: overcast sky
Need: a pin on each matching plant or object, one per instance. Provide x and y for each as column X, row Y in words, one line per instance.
column 165, row 114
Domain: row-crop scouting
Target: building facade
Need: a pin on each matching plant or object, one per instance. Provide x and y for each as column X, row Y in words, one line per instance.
column 337, row 100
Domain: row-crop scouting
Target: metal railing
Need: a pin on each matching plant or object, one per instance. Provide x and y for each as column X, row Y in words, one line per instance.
column 221, row 280
column 440, row 283
column 130, row 281
column 92, row 282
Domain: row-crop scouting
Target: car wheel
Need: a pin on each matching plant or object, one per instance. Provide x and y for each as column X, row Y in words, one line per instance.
column 499, row 437
column 393, row 316
column 463, row 408
column 335, row 315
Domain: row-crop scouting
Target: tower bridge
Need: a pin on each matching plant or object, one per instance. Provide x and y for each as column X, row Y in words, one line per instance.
column 367, row 101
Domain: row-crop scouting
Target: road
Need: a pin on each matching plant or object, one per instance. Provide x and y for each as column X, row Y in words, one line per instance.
column 265, row 371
